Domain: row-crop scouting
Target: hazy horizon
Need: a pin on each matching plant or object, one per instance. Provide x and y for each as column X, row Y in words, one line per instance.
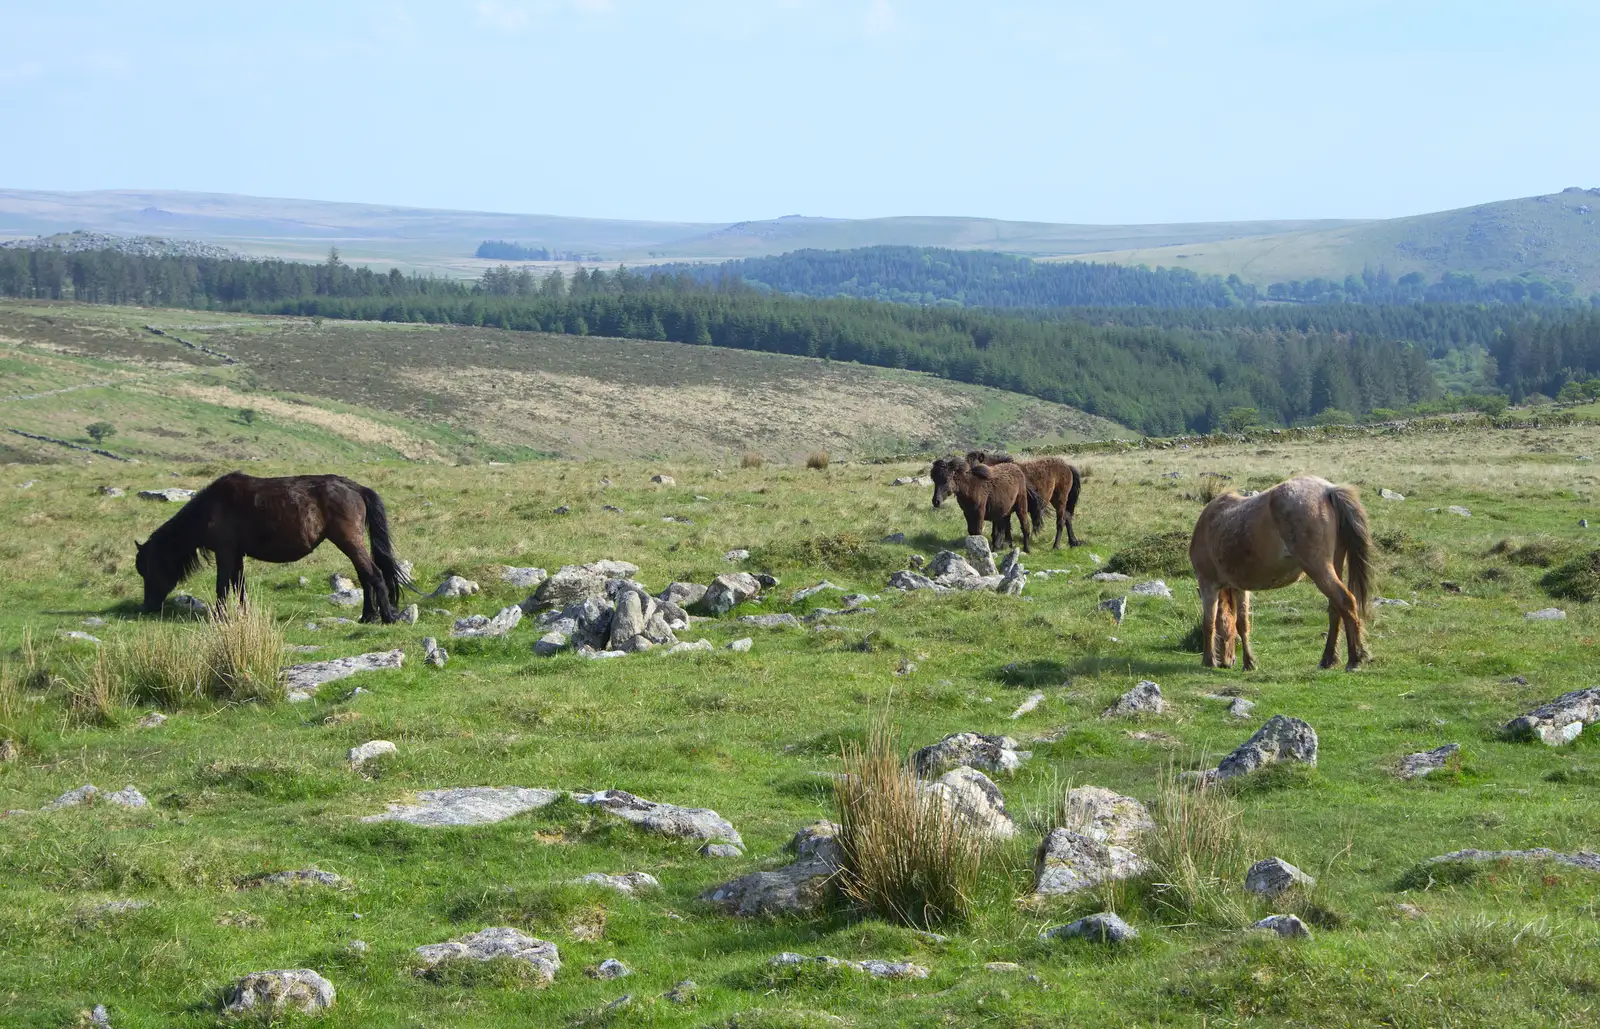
column 716, row 111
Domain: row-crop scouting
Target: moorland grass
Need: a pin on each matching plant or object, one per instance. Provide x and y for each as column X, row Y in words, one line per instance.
column 239, row 788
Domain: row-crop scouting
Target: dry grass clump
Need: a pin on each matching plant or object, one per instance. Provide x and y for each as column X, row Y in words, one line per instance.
column 908, row 856
column 245, row 653
column 96, row 691
column 751, row 459
column 817, row 460
column 1198, row 853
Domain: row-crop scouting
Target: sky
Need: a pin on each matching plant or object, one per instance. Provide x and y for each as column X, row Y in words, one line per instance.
column 722, row 110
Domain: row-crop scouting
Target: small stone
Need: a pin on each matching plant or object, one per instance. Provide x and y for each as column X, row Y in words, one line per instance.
column 170, row 495
column 1389, row 494
column 302, row 681
column 341, row 583
column 1143, row 699
column 736, row 555
column 279, row 992
column 86, row 794
column 481, row 626
column 1548, row 614
column 409, row 614
column 669, row 820
column 685, row 647
column 1117, row 606
column 94, row 622
column 563, row 509
column 299, row 877
column 685, row 992
column 626, row 883
column 1033, row 701
column 1414, row 766
column 79, row 636
column 663, row 480
column 467, row 805
column 455, row 586
column 721, row 850
column 1110, row 577
column 357, row 947
column 112, row 491
column 1287, row 926
column 811, row 591
column 1273, row 876
column 369, row 750
column 434, row 655
column 611, row 508
column 1459, row 511
column 895, row 538
column 1006, row 967
column 193, row 605
column 729, row 591
column 498, row 942
column 1152, row 588
column 551, row 642
column 742, row 646
column 979, row 555
column 347, row 598
column 773, row 621
column 1280, row 739
column 1559, row 721
column 1390, row 602
column 610, row 968
column 1104, row 927
column 908, row 580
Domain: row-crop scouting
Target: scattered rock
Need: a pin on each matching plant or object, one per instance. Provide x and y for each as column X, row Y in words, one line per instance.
column 916, row 561
column 573, row 584
column 993, row 754
column 627, row 882
column 1106, row 816
column 1288, row 926
column 729, row 591
column 1094, row 846
column 683, row 594
column 1104, row 927
column 112, row 491
column 1013, row 580
column 88, row 794
column 685, row 647
column 721, row 850
column 369, row 750
column 811, row 591
column 736, row 555
column 563, row 509
column 1005, row 967
column 497, row 942
column 1033, row 701
column 979, row 556
column 467, row 805
column 664, row 819
column 433, row 654
column 894, row 537
column 94, row 622
column 1389, row 494
column 482, row 626
column 912, row 480
column 685, row 992
column 973, row 797
column 357, row 947
column 1390, row 602
column 454, row 586
column 80, row 636
column 1152, row 588
column 801, row 887
column 1414, row 766
column 1110, row 577
column 409, row 614
column 908, row 580
column 523, row 578
column 1281, row 739
column 341, row 583
column 741, row 646
column 1273, row 876
column 299, row 877
column 170, row 495
column 1143, row 699
column 1581, row 859
column 302, row 681
column 113, row 907
column 610, row 968
column 279, row 992
column 1459, row 511
column 1117, row 606
column 1549, row 614
column 767, row 581
column 875, row 967
column 663, row 480
column 1559, row 721
column 947, row 564
column 774, row 621
column 347, row 598
column 192, row 605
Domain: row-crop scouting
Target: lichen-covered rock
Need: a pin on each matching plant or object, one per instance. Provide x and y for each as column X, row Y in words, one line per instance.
column 1143, row 699
column 170, row 495
column 877, row 968
column 523, row 578
column 467, row 805
column 1580, row 859
column 996, row 755
column 1117, row 607
column 1068, row 861
column 1152, row 588
column 573, row 584
column 497, row 942
column 455, row 586
column 610, row 968
column 1559, row 721
column 949, row 566
column 979, row 556
column 433, row 654
column 299, row 877
column 1106, row 815
column 628, row 882
column 811, row 591
column 279, row 992
column 909, row 580
column 481, row 626
column 1270, row 877
column 1281, row 739
column 683, row 594
column 665, row 819
column 369, row 750
column 1288, row 926
column 973, row 797
column 1546, row 614
column 773, row 621
column 741, row 646
column 804, row 886
column 354, row 597
column 302, row 681
column 1104, row 927
column 88, row 794
column 1415, row 766
column 728, row 591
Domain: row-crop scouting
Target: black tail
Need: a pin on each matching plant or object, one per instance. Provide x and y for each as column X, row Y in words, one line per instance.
column 1035, row 508
column 1072, row 494
column 383, row 548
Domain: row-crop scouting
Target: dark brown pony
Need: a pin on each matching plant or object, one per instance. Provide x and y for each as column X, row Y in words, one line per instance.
column 278, row 520
column 1051, row 480
column 1305, row 526
column 985, row 493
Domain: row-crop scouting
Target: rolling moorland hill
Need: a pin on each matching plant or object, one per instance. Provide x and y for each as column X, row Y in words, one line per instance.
column 1555, row 236
column 254, row 846
column 355, row 391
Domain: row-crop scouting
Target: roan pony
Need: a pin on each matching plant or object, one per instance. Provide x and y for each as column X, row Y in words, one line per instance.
column 1303, row 526
column 1050, row 480
column 278, row 520
column 985, row 492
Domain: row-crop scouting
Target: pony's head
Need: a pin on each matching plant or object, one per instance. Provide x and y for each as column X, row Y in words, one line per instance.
column 162, row 567
column 944, row 473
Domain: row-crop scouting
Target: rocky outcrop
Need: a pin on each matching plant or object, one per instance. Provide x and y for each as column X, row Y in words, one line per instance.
column 997, row 755
column 573, row 584
column 302, row 681
column 279, row 992
column 1095, row 845
column 498, row 942
column 523, row 578
column 1281, row 739
column 803, row 886
column 467, row 805
column 1559, row 721
column 664, row 819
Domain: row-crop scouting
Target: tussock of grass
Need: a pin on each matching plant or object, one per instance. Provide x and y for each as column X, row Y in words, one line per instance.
column 908, row 857
column 1488, row 942
column 1398, row 541
column 1535, row 552
column 817, row 460
column 1198, row 854
column 96, row 692
column 840, row 552
column 246, row 653
column 1162, row 553
column 162, row 665
column 1577, row 579
column 751, row 459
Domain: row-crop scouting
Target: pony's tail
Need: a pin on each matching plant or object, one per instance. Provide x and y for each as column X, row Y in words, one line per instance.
column 1356, row 538
column 1072, row 494
column 383, row 547
column 1035, row 507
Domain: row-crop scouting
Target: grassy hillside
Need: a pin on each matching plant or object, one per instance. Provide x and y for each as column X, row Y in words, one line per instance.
column 358, row 390
column 1556, row 237
column 425, row 239
column 242, row 789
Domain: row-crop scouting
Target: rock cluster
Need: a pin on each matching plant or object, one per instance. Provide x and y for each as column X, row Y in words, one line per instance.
column 482, row 626
column 804, row 885
column 974, row 569
column 997, row 755
column 88, row 794
column 1095, row 844
column 1559, row 721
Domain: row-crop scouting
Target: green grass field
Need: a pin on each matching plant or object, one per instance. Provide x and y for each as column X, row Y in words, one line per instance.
column 238, row 790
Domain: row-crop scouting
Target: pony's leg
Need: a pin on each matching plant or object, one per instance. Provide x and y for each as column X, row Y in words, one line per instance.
column 374, row 590
column 230, row 577
column 1208, row 624
column 1354, row 632
column 1227, row 625
column 1242, row 598
column 1341, row 609
column 1026, row 521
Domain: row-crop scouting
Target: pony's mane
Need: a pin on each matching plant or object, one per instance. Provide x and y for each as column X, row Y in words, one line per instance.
column 174, row 549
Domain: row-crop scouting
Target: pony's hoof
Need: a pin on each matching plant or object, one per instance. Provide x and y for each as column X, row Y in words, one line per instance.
column 1249, row 666
column 1325, row 665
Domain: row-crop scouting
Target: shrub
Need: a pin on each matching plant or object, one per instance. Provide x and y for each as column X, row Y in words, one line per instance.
column 817, row 460
column 1577, row 579
column 907, row 856
column 1164, row 553
column 1197, row 853
column 751, row 459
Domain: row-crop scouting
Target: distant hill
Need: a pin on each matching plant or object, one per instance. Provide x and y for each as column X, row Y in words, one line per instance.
column 1556, row 237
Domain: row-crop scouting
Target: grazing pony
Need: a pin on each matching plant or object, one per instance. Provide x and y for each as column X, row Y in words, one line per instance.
column 278, row 520
column 1050, row 480
column 1303, row 526
column 984, row 492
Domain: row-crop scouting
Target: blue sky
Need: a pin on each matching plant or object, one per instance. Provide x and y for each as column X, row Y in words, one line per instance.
column 716, row 110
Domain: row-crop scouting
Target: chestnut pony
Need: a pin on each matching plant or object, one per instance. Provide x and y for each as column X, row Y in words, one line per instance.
column 279, row 520
column 1050, row 480
column 985, row 493
column 1303, row 526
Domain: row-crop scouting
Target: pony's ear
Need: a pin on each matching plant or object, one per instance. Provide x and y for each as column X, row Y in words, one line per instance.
column 137, row 546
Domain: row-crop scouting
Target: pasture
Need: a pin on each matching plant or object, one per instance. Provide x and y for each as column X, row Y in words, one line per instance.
column 241, row 789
